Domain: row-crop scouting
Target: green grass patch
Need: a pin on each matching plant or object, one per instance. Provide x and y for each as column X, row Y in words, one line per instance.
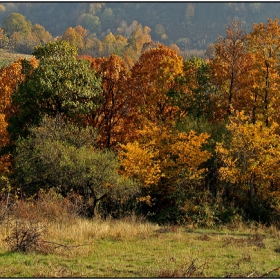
column 157, row 253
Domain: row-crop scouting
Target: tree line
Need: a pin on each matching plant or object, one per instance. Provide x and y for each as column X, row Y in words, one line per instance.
column 189, row 25
column 176, row 139
column 20, row 35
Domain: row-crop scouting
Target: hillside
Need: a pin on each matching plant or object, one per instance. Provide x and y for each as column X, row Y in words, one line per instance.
column 197, row 23
column 7, row 57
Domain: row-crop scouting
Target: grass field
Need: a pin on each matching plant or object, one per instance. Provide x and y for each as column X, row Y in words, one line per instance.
column 7, row 57
column 136, row 248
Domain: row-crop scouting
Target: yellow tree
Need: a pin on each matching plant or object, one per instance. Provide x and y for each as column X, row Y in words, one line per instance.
column 264, row 45
column 108, row 43
column 138, row 37
column 42, row 36
column 230, row 69
column 5, row 162
column 250, row 162
column 93, row 47
column 75, row 36
column 163, row 160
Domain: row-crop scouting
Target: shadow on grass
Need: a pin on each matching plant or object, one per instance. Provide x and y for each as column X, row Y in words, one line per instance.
column 9, row 253
column 201, row 231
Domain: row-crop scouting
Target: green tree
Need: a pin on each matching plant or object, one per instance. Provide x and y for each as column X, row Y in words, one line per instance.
column 90, row 22
column 193, row 91
column 61, row 86
column 16, row 22
column 107, row 18
column 63, row 156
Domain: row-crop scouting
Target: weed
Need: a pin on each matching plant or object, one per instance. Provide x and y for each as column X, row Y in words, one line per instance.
column 185, row 270
column 3, row 212
column 204, row 237
column 256, row 240
column 26, row 238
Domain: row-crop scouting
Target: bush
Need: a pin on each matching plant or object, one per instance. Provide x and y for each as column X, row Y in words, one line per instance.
column 184, row 270
column 48, row 206
column 25, row 237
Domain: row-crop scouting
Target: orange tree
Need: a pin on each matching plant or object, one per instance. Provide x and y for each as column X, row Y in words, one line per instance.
column 114, row 118
column 152, row 77
column 10, row 77
column 230, row 68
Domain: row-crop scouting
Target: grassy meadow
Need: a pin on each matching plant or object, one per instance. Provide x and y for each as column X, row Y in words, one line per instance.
column 133, row 247
column 7, row 57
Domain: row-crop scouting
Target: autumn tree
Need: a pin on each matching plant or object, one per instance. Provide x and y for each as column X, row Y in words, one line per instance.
column 76, row 37
column 16, row 22
column 113, row 118
column 152, row 77
column 137, row 38
column 231, row 65
column 90, row 22
column 41, row 34
column 166, row 163
column 93, row 47
column 251, row 166
column 4, row 40
column 10, row 77
column 37, row 36
column 61, row 86
column 108, row 43
column 264, row 44
column 95, row 8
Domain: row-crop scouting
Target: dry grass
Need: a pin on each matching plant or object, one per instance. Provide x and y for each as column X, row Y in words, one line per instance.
column 7, row 57
column 85, row 230
column 133, row 247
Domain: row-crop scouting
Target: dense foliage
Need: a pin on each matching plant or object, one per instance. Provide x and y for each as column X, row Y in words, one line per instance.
column 176, row 139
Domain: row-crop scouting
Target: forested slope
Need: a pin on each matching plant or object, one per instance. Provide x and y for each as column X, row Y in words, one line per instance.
column 199, row 22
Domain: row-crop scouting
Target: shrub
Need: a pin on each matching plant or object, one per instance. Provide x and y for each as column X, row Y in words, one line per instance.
column 25, row 237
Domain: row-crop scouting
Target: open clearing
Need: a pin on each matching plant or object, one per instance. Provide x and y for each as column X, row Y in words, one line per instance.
column 133, row 248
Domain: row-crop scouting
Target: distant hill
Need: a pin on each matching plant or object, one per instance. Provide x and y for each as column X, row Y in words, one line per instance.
column 193, row 25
